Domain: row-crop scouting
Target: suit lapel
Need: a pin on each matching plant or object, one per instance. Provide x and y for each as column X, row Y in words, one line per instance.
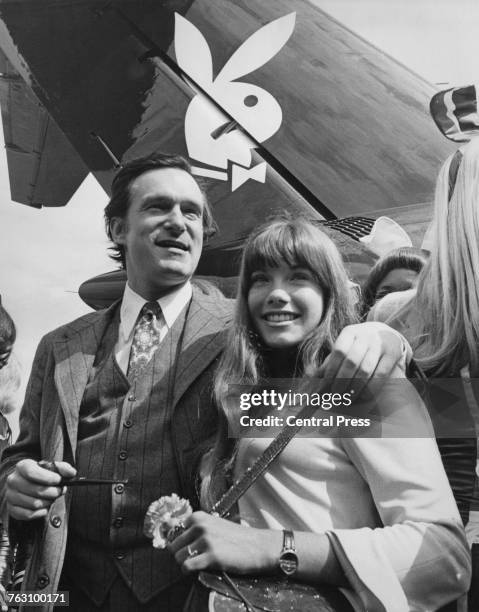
column 74, row 357
column 75, row 352
column 203, row 340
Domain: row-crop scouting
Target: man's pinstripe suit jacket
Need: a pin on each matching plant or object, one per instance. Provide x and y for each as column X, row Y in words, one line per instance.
column 49, row 417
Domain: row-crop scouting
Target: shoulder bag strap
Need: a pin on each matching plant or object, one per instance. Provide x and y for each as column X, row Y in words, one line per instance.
column 239, row 488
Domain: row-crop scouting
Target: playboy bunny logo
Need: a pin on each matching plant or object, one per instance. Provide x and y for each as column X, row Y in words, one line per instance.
column 211, row 136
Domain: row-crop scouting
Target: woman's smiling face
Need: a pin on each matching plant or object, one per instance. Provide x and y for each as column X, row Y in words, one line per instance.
column 285, row 303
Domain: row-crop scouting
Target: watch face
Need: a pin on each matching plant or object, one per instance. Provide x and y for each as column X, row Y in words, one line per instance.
column 288, row 563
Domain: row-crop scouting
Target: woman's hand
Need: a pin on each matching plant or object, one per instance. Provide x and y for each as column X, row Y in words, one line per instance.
column 214, row 543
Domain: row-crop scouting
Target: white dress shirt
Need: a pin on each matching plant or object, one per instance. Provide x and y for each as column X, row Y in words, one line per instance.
column 171, row 305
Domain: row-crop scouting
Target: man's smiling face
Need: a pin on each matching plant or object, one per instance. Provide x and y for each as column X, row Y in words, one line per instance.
column 162, row 232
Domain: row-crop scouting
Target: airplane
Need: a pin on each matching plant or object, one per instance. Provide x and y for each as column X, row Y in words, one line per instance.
column 277, row 105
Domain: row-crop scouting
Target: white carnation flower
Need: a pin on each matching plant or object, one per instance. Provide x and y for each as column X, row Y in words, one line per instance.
column 164, row 517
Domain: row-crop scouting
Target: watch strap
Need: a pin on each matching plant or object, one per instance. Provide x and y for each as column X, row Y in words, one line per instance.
column 288, row 541
column 288, row 559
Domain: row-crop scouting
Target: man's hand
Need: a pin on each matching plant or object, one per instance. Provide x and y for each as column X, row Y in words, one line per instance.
column 31, row 489
column 364, row 351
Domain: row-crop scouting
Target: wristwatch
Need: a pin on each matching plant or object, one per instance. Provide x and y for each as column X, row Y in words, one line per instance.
column 288, row 559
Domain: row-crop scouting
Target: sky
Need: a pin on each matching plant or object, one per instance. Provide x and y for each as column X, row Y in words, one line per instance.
column 438, row 39
column 46, row 254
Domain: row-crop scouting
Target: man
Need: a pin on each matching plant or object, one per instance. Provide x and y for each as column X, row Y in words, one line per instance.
column 125, row 394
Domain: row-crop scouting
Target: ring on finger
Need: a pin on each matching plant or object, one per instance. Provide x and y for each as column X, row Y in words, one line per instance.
column 192, row 552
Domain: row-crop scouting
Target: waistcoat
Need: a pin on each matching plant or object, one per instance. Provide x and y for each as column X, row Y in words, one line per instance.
column 124, row 433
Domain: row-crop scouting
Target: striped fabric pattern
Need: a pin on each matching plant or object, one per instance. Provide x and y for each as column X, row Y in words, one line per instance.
column 124, row 432
column 455, row 112
column 354, row 227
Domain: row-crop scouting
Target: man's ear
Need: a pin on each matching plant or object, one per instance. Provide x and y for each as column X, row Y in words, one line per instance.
column 118, row 230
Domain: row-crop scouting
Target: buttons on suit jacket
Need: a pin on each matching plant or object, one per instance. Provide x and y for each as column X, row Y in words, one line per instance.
column 55, row 520
column 42, row 581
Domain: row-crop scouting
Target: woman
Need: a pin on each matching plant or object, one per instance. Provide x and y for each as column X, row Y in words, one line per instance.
column 398, row 270
column 374, row 516
column 446, row 341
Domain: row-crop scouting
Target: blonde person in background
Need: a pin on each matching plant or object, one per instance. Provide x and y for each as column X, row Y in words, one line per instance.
column 441, row 322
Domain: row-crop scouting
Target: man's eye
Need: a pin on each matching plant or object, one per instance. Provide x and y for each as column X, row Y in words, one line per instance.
column 192, row 214
column 156, row 206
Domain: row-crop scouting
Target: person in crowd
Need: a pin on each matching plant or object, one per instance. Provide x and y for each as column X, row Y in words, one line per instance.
column 398, row 270
column 373, row 516
column 8, row 335
column 441, row 321
column 9, row 374
column 9, row 384
column 124, row 394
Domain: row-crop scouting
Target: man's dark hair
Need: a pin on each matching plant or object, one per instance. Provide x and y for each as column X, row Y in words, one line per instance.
column 8, row 333
column 120, row 194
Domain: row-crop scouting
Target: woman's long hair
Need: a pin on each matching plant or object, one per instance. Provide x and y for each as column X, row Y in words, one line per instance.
column 298, row 243
column 445, row 311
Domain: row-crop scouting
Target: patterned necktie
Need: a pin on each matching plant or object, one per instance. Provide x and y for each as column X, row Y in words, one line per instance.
column 146, row 339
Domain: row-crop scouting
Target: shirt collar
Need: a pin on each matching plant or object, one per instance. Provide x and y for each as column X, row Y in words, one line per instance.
column 171, row 305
